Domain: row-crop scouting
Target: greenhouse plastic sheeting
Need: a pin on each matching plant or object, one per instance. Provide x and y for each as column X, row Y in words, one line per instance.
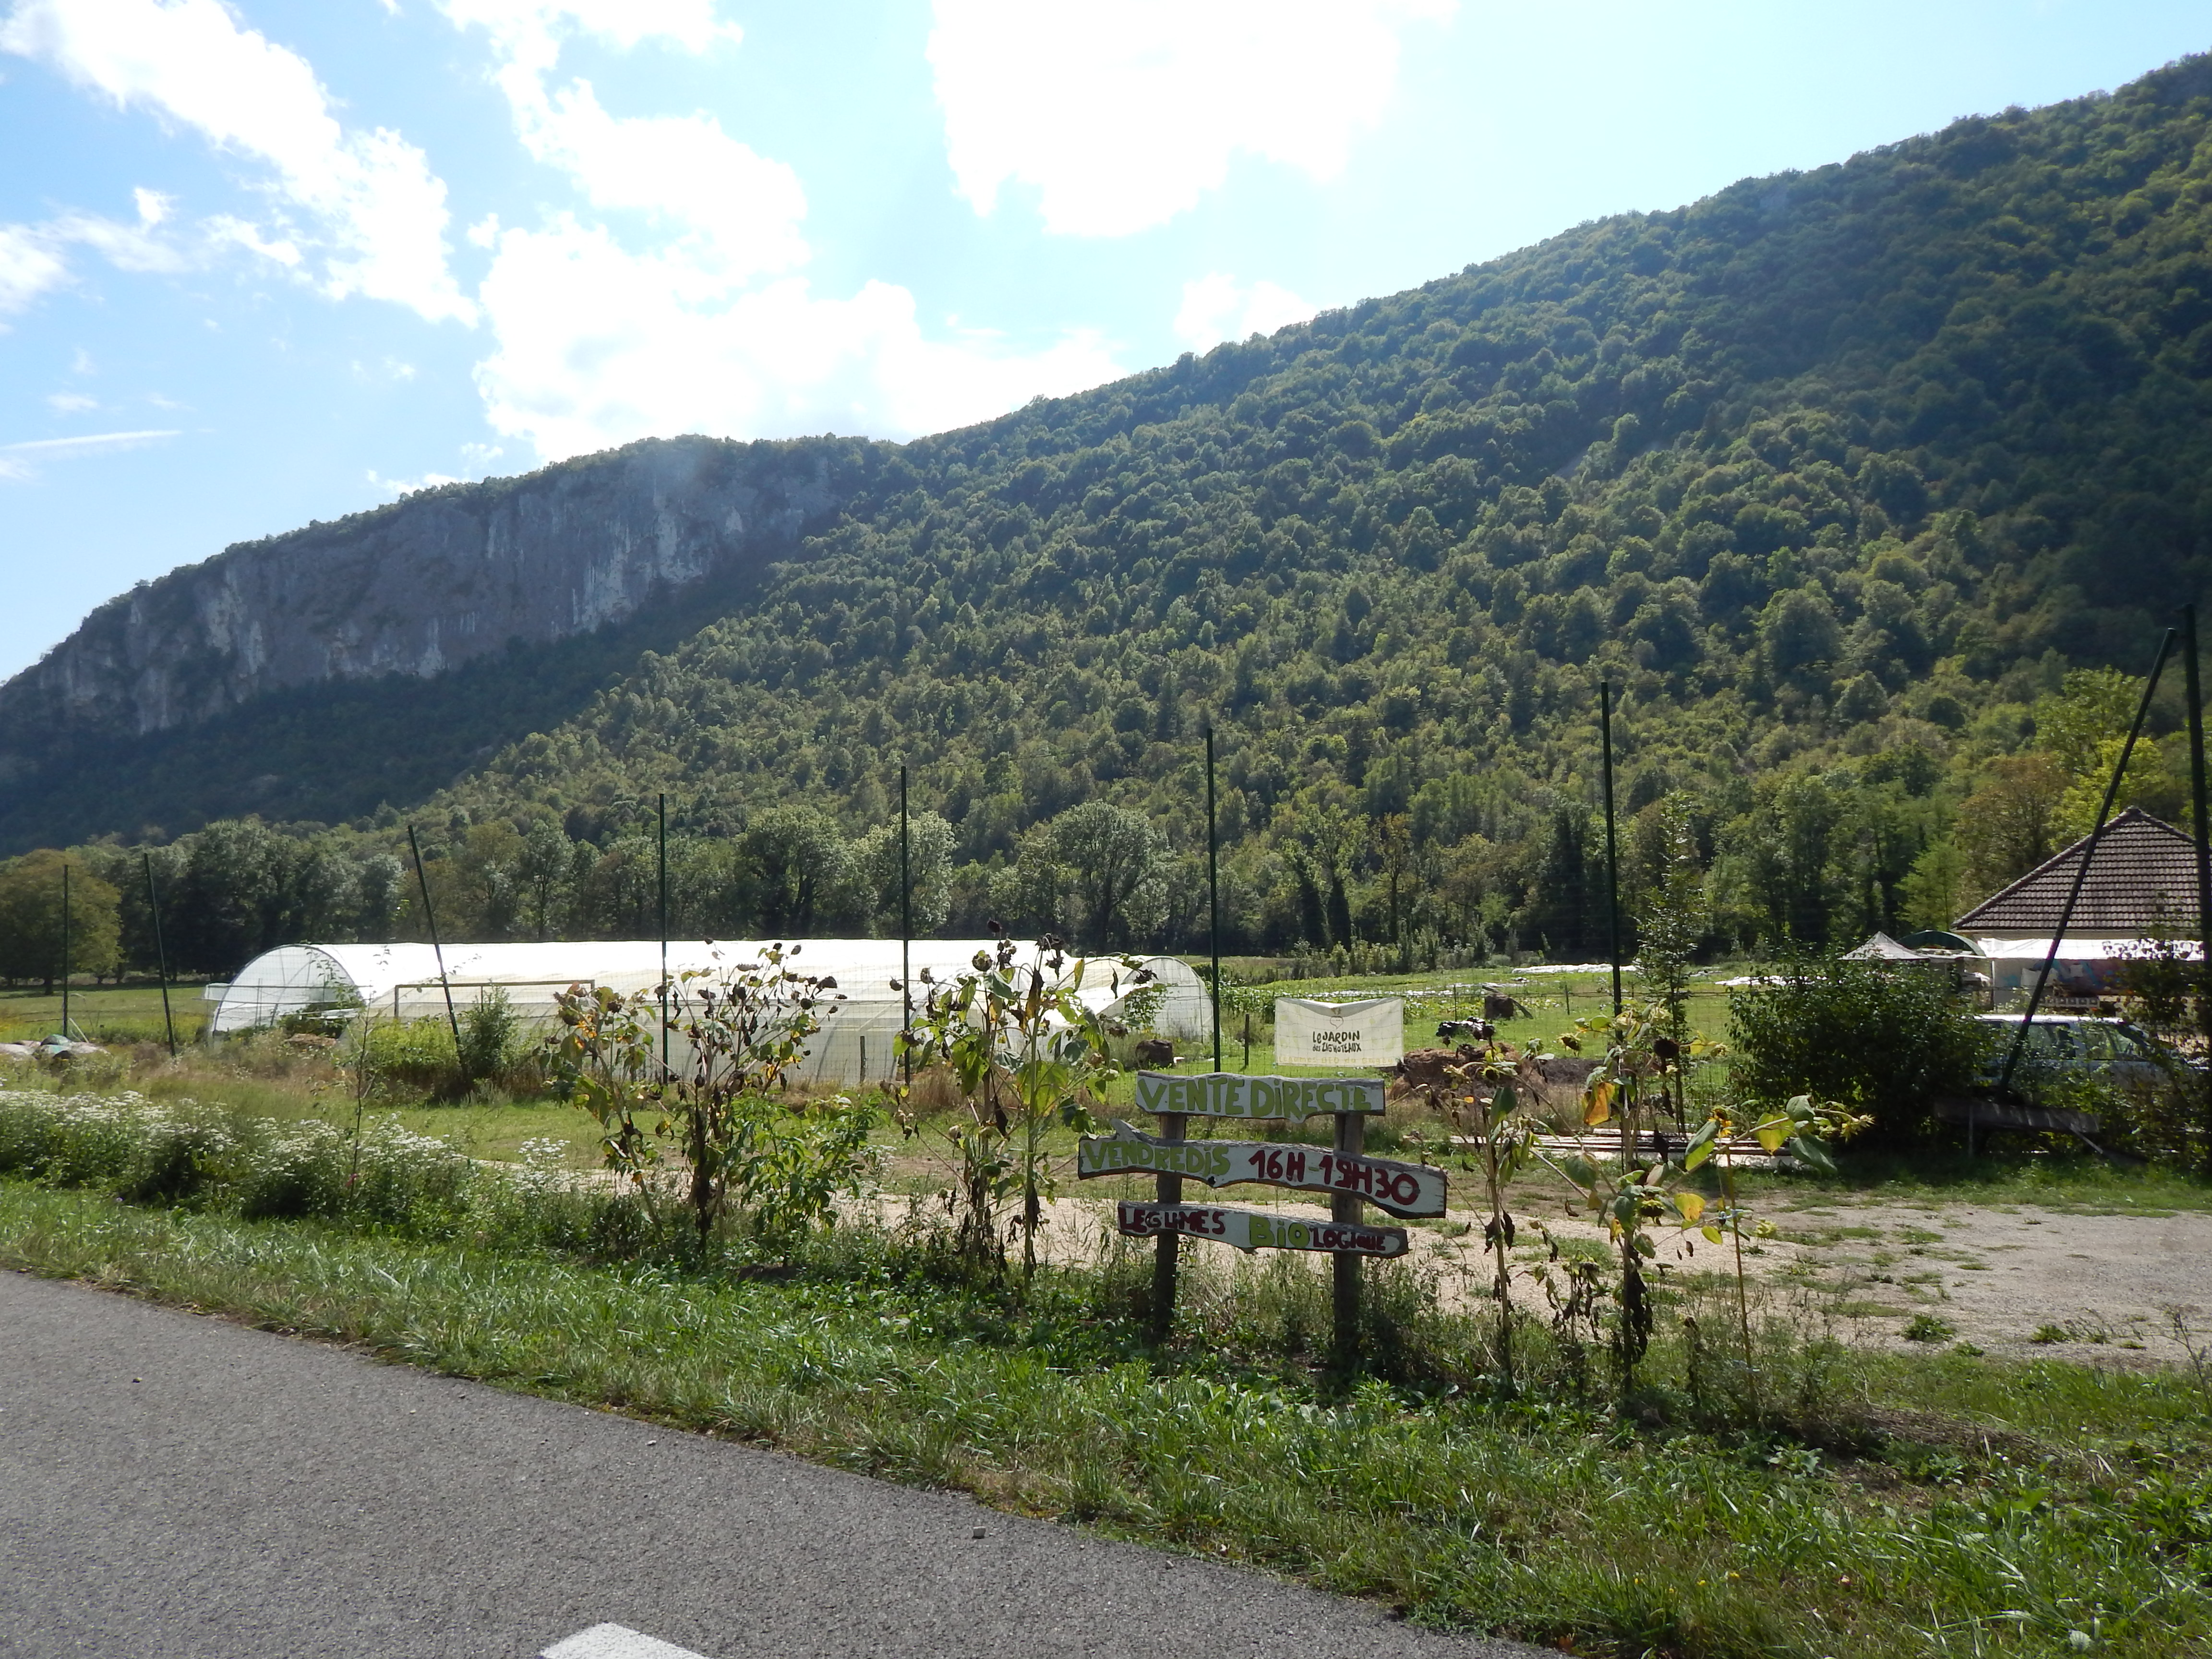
column 856, row 1045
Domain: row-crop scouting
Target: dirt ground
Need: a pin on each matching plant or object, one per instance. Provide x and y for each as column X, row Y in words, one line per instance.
column 2100, row 1288
column 2023, row 1282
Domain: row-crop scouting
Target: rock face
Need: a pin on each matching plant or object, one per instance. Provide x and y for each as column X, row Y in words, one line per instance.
column 420, row 587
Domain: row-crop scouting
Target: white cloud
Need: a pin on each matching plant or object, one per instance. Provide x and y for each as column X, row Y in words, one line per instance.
column 33, row 259
column 692, row 316
column 70, row 402
column 1217, row 307
column 1122, row 114
column 20, row 462
column 397, row 486
column 29, row 266
column 599, row 345
column 378, row 213
column 527, row 33
column 742, row 211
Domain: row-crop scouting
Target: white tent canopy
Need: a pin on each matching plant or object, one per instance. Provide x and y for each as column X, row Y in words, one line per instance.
column 402, row 982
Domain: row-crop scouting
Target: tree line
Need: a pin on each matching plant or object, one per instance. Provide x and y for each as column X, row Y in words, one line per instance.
column 1803, row 858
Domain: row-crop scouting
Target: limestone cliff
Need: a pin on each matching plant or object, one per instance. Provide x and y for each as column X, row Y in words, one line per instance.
column 420, row 587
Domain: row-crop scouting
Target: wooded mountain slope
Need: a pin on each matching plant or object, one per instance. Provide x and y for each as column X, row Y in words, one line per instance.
column 1833, row 474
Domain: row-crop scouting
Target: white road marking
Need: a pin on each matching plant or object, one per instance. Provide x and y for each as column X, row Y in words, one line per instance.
column 614, row 1642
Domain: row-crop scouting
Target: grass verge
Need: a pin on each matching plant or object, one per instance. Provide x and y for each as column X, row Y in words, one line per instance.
column 1933, row 1504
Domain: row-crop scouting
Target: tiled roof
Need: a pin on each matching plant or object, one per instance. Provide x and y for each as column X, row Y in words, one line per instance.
column 2144, row 877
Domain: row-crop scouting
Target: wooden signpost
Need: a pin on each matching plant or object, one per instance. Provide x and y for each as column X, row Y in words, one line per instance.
column 1408, row 1189
column 1255, row 1230
column 1343, row 1171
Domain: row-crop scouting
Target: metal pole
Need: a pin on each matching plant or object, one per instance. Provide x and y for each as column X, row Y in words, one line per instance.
column 2088, row 852
column 438, row 951
column 906, row 940
column 65, row 947
column 664, row 933
column 2202, row 837
column 1611, row 852
column 1213, row 893
column 161, row 951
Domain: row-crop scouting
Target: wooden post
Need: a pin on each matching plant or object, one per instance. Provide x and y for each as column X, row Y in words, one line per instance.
column 1344, row 1207
column 1168, row 1191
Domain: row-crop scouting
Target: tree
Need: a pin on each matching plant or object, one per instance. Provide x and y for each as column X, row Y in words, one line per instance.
column 796, row 868
column 929, row 862
column 2150, row 783
column 2091, row 707
column 229, row 900
column 542, row 872
column 2010, row 824
column 31, row 943
column 1393, row 850
column 1112, row 860
column 1934, row 891
column 1670, row 925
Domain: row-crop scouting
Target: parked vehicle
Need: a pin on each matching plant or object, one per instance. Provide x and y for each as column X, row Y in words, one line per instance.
column 2081, row 1045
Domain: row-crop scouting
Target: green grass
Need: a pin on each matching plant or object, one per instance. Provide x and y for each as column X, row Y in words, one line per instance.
column 1991, row 1508
column 104, row 1013
column 2075, row 1181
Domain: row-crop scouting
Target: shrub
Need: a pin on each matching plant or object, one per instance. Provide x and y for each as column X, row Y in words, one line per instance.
column 1884, row 1041
column 491, row 1037
column 298, row 1170
column 186, row 1153
column 414, row 1054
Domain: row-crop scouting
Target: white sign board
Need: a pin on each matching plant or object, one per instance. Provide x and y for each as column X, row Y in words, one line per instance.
column 1370, row 1033
column 1232, row 1094
column 1408, row 1189
column 1251, row 1229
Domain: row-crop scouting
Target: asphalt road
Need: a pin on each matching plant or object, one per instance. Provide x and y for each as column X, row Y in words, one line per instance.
column 172, row 1484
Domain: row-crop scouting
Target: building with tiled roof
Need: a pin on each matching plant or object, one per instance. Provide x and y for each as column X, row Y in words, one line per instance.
column 2142, row 881
column 2142, row 884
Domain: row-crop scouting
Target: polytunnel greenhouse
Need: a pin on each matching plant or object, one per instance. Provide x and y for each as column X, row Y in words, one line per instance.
column 855, row 1045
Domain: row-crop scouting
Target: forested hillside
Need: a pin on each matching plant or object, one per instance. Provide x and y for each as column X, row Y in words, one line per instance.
column 1835, row 475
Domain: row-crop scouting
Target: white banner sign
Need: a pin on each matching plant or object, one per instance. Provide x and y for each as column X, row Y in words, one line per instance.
column 1408, row 1189
column 1371, row 1033
column 1251, row 1229
column 1232, row 1094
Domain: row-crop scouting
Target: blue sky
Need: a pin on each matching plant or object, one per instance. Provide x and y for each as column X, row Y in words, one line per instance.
column 265, row 261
